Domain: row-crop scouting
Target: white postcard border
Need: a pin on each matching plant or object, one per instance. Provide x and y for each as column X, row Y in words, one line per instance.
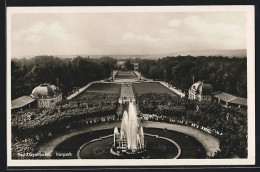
column 248, row 9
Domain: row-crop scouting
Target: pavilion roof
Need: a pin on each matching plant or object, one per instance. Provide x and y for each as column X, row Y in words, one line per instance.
column 231, row 99
column 225, row 96
column 240, row 101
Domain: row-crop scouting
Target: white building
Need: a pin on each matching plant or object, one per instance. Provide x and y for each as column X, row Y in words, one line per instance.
column 136, row 66
column 47, row 95
column 200, row 91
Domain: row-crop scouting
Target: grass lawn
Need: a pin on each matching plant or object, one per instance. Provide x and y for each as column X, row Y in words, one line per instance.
column 151, row 87
column 104, row 88
column 125, row 75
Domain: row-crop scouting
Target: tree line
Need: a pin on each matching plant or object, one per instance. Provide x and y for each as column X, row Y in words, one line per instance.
column 225, row 74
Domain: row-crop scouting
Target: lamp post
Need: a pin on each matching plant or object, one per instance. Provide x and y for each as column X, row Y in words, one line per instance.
column 164, row 73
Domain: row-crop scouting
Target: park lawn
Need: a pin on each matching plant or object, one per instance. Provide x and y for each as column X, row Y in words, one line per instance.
column 110, row 88
column 151, row 87
column 125, row 75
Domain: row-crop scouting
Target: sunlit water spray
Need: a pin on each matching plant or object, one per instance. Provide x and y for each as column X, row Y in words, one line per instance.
column 131, row 137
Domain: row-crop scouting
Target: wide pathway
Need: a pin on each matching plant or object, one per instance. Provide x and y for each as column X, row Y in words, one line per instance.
column 181, row 94
column 79, row 91
column 127, row 91
column 210, row 143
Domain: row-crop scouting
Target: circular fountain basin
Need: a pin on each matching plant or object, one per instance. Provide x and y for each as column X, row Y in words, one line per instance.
column 161, row 144
column 156, row 145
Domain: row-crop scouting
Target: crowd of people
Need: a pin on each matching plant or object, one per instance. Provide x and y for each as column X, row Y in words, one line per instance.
column 31, row 126
column 23, row 146
column 91, row 105
column 229, row 124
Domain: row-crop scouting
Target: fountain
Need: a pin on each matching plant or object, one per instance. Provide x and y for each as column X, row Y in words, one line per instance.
column 130, row 140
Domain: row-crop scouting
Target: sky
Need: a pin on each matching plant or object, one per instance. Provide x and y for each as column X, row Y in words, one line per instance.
column 125, row 33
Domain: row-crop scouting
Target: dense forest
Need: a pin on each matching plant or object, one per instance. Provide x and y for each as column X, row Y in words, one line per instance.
column 225, row 74
column 67, row 73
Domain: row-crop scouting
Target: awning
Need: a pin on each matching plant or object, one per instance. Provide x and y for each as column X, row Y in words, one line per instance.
column 225, row 96
column 22, row 101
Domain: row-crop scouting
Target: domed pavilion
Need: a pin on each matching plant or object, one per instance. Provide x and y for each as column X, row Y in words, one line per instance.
column 47, row 95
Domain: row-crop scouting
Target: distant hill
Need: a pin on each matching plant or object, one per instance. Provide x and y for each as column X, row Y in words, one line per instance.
column 240, row 53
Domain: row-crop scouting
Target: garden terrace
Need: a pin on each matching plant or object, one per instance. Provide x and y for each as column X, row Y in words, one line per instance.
column 151, row 87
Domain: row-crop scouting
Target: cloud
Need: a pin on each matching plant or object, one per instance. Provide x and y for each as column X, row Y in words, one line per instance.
column 168, row 31
column 219, row 33
column 138, row 32
column 47, row 38
column 134, row 37
column 175, row 23
column 219, row 29
column 42, row 31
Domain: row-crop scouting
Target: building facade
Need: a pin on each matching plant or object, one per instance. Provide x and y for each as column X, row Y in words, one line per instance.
column 136, row 66
column 200, row 91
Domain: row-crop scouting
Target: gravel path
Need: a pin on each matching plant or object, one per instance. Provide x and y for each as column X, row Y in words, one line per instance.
column 210, row 142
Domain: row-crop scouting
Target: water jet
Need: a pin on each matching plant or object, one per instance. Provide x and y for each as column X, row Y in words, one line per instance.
column 130, row 140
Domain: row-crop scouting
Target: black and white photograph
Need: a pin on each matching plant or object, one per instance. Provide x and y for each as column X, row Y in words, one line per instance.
column 96, row 86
